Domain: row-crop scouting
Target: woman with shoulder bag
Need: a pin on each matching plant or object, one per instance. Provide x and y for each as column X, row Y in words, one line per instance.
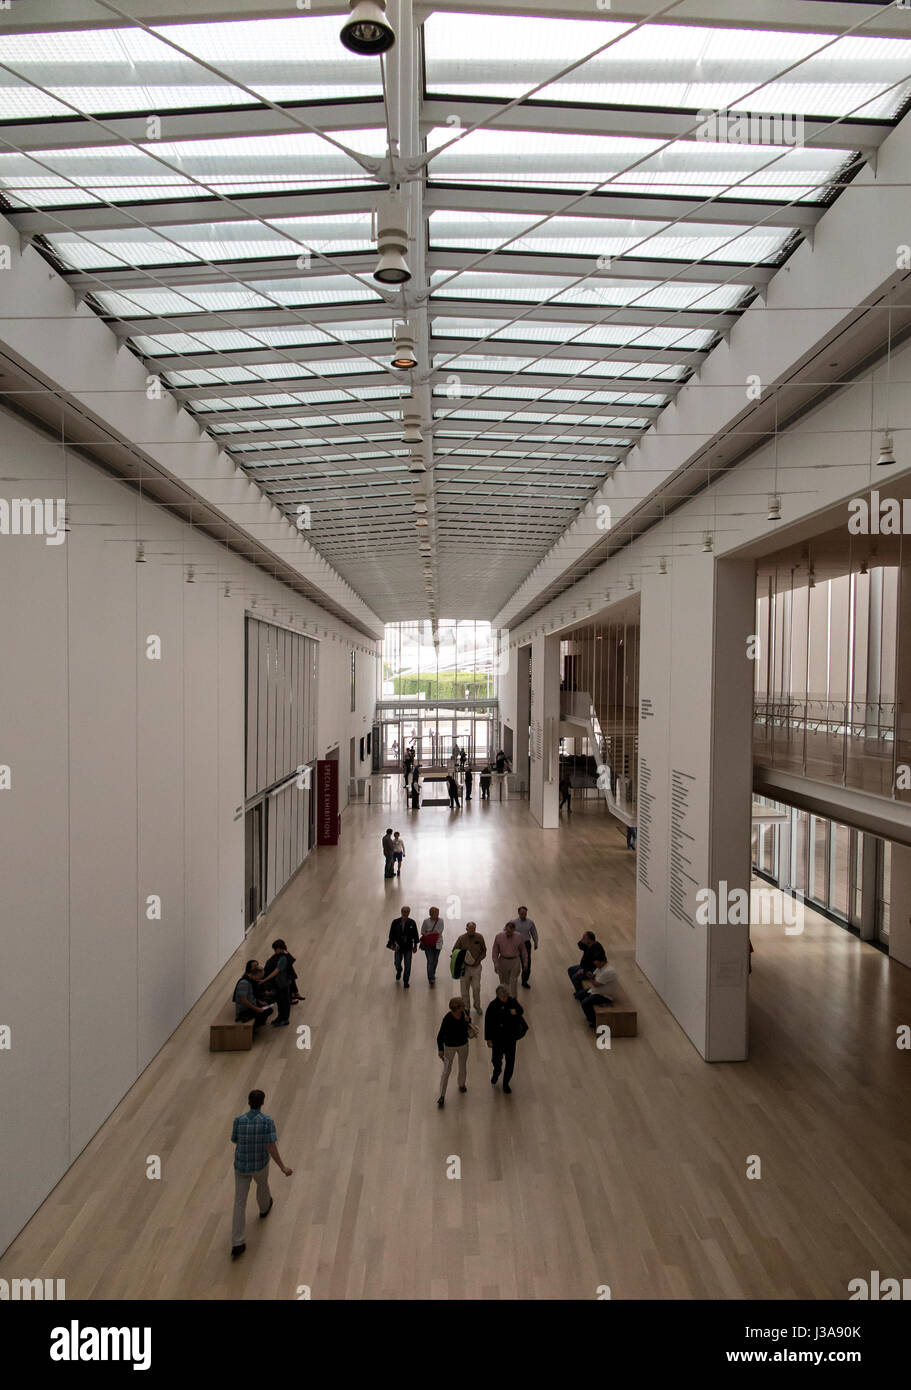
column 431, row 943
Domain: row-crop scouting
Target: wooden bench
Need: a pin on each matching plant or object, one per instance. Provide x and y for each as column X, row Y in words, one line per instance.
column 620, row 1016
column 227, row 1035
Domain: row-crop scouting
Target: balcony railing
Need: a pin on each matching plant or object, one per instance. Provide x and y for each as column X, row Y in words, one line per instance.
column 862, row 744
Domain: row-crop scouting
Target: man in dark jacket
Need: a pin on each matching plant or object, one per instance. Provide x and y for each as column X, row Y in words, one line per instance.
column 452, row 1042
column 468, row 782
column 389, row 871
column 503, row 1025
column 403, row 939
column 590, row 948
column 247, row 1003
column 453, row 788
column 485, row 784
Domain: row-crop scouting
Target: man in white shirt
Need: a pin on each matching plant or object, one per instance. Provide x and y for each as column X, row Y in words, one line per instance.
column 529, row 933
column 601, row 988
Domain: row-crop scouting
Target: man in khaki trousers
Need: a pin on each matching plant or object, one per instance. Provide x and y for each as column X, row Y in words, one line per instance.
column 473, row 944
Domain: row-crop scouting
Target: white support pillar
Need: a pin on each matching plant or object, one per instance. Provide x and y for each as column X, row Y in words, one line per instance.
column 695, row 778
column 543, row 791
column 520, row 763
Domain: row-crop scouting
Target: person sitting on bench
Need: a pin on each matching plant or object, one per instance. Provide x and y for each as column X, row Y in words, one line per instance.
column 590, row 947
column 600, row 988
column 246, row 1004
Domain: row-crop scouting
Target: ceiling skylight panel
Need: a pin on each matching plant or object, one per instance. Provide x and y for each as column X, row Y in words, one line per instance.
column 233, row 340
column 269, row 371
column 123, row 70
column 607, row 334
column 701, row 168
column 106, row 249
column 562, row 366
column 669, row 66
column 579, row 236
column 597, row 289
column 204, row 299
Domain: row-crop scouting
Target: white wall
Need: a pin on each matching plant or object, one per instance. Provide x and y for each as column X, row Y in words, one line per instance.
column 127, row 775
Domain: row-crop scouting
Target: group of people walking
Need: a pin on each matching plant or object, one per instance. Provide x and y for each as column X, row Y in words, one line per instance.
column 504, row 1023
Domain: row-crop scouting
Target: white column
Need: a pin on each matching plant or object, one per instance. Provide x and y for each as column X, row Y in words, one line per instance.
column 543, row 792
column 522, row 659
column 695, row 779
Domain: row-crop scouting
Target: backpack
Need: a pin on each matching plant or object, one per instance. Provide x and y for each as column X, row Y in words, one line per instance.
column 457, row 963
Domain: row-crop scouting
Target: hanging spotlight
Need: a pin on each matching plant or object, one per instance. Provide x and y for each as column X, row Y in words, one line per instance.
column 411, row 429
column 367, row 30
column 390, row 217
column 630, row 584
column 227, row 591
column 886, row 452
column 662, row 565
column 774, row 508
column 191, row 577
column 416, row 463
column 140, row 554
column 403, row 357
column 707, row 542
column 863, row 567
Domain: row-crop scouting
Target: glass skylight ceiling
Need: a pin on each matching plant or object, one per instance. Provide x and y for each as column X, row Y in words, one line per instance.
column 234, row 247
column 671, row 65
column 700, row 170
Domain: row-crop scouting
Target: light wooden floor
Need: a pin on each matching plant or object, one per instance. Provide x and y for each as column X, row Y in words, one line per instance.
column 625, row 1168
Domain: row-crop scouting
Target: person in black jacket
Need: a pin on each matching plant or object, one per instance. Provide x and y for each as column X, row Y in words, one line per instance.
column 503, row 1025
column 279, row 972
column 468, row 781
column 590, row 948
column 453, row 788
column 403, row 939
column 452, row 1042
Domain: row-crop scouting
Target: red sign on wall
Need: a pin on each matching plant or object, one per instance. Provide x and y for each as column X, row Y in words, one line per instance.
column 327, row 818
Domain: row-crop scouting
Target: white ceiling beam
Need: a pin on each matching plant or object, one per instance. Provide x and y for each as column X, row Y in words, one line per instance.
column 439, row 346
column 202, row 212
column 621, row 267
column 635, row 123
column 724, row 211
column 512, row 406
column 234, row 122
column 553, row 381
column 571, row 352
column 180, row 276
column 253, row 319
column 286, row 386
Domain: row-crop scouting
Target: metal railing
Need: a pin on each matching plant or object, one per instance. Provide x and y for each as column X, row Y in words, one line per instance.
column 864, row 744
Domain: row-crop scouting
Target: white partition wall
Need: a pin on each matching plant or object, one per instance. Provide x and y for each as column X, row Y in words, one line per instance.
column 121, row 832
column 695, row 777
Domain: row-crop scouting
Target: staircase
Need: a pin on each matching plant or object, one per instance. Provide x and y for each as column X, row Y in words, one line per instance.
column 578, row 714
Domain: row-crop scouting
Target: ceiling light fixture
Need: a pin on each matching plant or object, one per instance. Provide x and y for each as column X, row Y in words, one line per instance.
column 390, row 231
column 662, row 565
column 774, row 508
column 886, row 451
column 707, row 543
column 403, row 356
column 367, row 30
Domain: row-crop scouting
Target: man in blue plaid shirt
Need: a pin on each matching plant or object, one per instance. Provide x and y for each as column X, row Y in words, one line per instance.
column 254, row 1138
